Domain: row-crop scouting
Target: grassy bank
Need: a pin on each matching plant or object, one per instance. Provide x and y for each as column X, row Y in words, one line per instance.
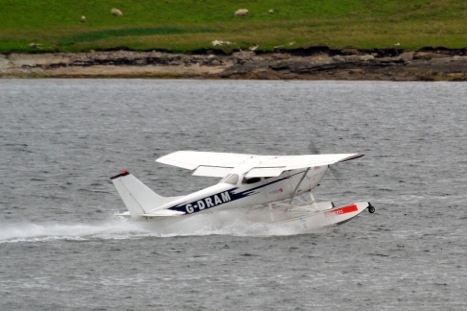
column 186, row 25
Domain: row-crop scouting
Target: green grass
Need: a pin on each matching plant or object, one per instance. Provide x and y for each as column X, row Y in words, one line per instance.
column 186, row 25
column 92, row 36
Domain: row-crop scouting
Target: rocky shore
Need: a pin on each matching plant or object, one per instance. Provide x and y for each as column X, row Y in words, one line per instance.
column 314, row 63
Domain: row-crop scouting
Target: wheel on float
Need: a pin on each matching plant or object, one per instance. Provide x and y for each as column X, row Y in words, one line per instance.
column 371, row 208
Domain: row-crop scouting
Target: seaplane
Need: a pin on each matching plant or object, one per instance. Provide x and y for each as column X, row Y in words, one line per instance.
column 259, row 188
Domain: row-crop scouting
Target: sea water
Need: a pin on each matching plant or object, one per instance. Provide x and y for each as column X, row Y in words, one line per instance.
column 61, row 247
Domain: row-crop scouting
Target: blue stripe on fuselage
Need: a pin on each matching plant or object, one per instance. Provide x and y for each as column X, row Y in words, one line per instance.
column 206, row 203
column 221, row 198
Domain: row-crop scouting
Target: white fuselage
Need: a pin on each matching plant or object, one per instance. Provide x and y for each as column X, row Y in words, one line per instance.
column 238, row 191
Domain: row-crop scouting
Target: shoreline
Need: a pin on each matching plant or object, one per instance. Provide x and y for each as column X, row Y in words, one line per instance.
column 314, row 63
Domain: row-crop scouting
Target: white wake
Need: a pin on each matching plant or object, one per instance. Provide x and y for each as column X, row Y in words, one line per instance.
column 38, row 232
column 126, row 229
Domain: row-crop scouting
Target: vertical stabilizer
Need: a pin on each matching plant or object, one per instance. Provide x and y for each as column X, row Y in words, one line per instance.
column 138, row 198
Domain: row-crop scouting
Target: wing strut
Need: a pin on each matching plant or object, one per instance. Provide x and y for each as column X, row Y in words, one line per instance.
column 299, row 183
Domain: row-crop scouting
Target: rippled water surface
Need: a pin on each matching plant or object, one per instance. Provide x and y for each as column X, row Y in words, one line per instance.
column 61, row 247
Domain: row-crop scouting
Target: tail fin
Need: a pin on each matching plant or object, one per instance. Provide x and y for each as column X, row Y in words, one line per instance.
column 138, row 198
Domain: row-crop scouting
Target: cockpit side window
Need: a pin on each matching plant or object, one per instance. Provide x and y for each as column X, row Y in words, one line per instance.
column 251, row 180
column 231, row 179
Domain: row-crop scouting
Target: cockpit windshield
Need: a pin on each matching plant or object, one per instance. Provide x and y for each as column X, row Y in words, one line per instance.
column 231, row 179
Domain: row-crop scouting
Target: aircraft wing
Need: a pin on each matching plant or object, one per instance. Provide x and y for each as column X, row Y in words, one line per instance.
column 273, row 166
column 211, row 164
column 218, row 164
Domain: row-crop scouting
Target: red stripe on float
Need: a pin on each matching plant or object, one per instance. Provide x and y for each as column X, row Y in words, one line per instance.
column 342, row 210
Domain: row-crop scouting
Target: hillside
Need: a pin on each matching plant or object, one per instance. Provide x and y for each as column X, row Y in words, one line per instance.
column 188, row 25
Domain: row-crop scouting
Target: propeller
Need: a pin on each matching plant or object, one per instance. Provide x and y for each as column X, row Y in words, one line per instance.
column 315, row 150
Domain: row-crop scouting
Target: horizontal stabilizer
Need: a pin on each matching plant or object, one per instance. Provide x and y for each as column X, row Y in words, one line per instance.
column 164, row 213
